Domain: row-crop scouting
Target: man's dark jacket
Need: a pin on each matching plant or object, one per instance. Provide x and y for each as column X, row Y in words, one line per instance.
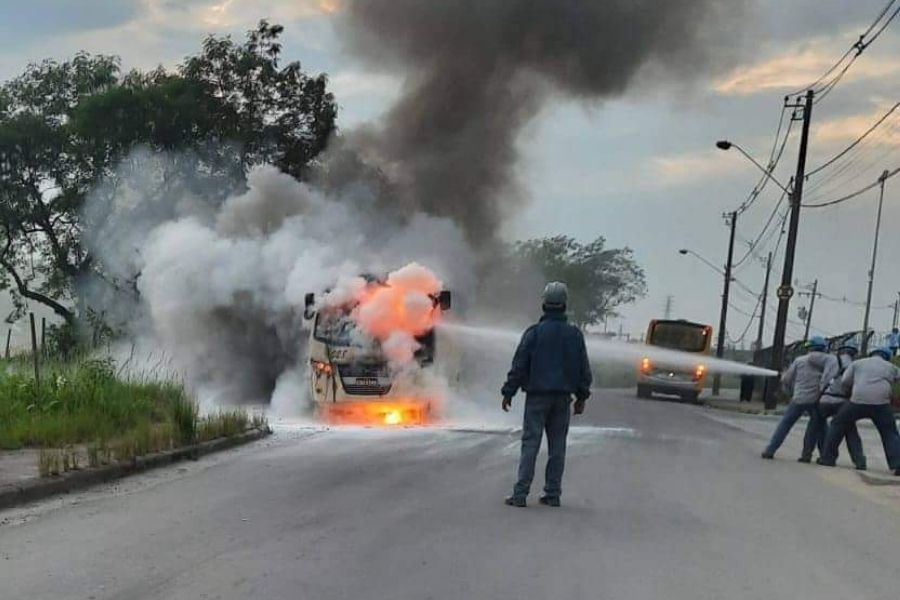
column 551, row 360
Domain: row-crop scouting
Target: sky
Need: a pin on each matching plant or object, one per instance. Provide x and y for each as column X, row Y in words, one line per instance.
column 640, row 169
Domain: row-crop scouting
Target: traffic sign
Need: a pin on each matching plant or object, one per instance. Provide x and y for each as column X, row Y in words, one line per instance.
column 785, row 292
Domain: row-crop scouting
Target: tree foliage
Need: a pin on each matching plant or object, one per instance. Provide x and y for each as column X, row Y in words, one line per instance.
column 600, row 279
column 65, row 126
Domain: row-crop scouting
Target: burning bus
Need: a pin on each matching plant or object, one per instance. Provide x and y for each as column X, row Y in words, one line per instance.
column 371, row 347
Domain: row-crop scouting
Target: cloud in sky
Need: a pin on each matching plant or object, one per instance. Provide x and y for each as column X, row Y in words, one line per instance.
column 690, row 168
column 845, row 129
column 800, row 65
column 218, row 14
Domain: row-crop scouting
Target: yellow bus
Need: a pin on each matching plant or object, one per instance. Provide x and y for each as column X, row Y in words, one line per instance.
column 675, row 377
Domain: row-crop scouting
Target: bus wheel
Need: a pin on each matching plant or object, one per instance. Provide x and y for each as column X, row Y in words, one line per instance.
column 643, row 391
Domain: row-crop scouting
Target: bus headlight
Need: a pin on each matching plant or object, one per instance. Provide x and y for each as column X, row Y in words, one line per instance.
column 321, row 367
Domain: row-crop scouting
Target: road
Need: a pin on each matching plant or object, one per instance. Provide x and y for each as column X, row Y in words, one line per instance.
column 661, row 501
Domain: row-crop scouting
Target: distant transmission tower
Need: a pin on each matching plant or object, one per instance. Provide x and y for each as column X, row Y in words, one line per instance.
column 668, row 311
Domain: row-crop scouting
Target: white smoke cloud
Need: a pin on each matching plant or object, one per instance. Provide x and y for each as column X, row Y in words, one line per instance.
column 220, row 278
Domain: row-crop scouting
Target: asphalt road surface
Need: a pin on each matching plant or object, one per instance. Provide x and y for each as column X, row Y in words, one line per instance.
column 661, row 500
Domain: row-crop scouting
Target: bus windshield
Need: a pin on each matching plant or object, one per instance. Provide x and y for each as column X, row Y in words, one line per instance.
column 337, row 329
column 687, row 337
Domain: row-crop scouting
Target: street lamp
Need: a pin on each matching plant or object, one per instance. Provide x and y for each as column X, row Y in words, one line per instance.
column 710, row 264
column 726, row 145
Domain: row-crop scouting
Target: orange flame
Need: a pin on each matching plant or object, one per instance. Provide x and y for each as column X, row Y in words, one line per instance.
column 400, row 413
column 397, row 311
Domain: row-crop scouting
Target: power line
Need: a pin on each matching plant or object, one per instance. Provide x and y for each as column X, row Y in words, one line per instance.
column 855, row 303
column 752, row 248
column 823, row 93
column 886, row 23
column 774, row 158
column 824, row 75
column 857, row 163
column 887, row 175
column 855, row 143
column 859, row 171
column 823, row 86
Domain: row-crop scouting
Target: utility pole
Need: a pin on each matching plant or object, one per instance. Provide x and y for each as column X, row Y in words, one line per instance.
column 865, row 338
column 894, row 323
column 785, row 291
column 720, row 349
column 812, row 305
column 765, row 299
column 668, row 311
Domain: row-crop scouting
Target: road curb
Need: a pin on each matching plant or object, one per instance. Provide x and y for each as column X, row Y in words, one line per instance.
column 778, row 413
column 878, row 479
column 39, row 489
column 760, row 414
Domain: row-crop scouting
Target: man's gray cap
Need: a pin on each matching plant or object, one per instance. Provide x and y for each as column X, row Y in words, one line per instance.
column 556, row 294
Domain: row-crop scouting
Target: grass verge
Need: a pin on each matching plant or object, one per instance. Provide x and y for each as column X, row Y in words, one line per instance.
column 84, row 414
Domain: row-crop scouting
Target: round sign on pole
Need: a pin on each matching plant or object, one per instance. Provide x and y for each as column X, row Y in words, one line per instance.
column 785, row 292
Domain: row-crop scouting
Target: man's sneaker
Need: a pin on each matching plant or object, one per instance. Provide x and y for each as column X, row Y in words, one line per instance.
column 768, row 455
column 805, row 459
column 824, row 463
column 515, row 501
column 549, row 501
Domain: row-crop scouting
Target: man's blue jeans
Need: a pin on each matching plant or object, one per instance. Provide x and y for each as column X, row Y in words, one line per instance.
column 828, row 410
column 791, row 414
column 883, row 418
column 550, row 414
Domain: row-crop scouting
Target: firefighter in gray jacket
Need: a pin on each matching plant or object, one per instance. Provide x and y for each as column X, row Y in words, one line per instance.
column 803, row 381
column 871, row 382
column 836, row 396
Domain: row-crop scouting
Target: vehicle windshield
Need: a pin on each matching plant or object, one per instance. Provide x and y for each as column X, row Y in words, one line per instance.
column 336, row 328
column 680, row 336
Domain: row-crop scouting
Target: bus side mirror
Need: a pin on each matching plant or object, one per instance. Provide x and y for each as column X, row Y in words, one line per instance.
column 308, row 302
column 444, row 300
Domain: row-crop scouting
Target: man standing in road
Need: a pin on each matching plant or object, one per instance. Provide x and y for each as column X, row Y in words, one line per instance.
column 550, row 366
column 893, row 341
column 836, row 396
column 803, row 381
column 871, row 380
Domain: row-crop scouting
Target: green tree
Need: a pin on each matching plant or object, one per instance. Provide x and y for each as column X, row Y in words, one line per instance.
column 600, row 279
column 64, row 127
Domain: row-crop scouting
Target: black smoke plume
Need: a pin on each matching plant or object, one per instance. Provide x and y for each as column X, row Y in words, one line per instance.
column 476, row 71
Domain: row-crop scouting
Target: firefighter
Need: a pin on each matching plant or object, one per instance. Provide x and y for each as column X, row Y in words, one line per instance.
column 550, row 366
column 833, row 398
column 803, row 381
column 871, row 381
column 893, row 341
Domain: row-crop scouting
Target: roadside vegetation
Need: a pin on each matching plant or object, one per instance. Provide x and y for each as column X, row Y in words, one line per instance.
column 84, row 413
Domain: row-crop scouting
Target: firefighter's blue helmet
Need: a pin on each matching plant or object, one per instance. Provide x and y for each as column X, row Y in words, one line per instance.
column 817, row 342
